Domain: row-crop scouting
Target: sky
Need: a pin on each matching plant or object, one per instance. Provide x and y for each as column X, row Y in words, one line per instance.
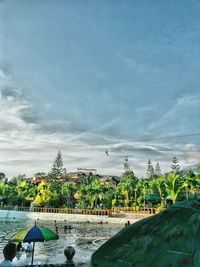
column 88, row 76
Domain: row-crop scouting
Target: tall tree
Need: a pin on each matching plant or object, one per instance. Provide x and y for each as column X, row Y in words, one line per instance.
column 157, row 170
column 150, row 170
column 175, row 167
column 57, row 167
column 126, row 165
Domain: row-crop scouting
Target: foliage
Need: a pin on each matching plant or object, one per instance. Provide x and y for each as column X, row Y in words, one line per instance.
column 125, row 189
column 157, row 172
column 173, row 184
column 10, row 195
column 2, row 176
column 150, row 169
column 44, row 194
column 175, row 167
column 92, row 192
column 67, row 191
column 40, row 174
column 57, row 167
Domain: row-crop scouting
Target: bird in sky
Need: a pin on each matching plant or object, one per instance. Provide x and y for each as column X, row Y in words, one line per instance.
column 107, row 153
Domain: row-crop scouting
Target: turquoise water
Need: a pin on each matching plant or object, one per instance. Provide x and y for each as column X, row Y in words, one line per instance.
column 84, row 237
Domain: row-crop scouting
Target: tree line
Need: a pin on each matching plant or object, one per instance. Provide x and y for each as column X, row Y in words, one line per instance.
column 92, row 192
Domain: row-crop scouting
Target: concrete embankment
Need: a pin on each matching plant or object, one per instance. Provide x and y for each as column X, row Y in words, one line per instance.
column 23, row 215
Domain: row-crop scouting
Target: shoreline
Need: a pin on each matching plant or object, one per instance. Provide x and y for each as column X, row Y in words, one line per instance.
column 115, row 218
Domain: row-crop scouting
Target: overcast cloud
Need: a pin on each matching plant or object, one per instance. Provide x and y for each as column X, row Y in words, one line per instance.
column 89, row 76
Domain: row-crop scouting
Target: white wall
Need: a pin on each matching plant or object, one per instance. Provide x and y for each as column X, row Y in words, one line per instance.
column 22, row 215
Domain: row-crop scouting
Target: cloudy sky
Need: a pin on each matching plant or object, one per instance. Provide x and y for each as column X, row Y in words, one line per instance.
column 88, row 76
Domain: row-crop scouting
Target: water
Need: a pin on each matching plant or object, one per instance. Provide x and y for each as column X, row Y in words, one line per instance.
column 84, row 237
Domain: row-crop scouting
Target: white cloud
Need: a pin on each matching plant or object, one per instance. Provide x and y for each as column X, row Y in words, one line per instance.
column 12, row 106
column 3, row 75
column 181, row 114
column 187, row 101
column 27, row 147
column 145, row 109
column 131, row 63
column 190, row 154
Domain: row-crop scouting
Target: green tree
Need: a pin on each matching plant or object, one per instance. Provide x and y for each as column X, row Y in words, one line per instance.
column 67, row 190
column 197, row 178
column 10, row 195
column 157, row 170
column 82, row 196
column 191, row 184
column 22, row 192
column 138, row 192
column 44, row 194
column 32, row 192
column 55, row 197
column 173, row 184
column 160, row 188
column 87, row 179
column 15, row 180
column 175, row 167
column 2, row 185
column 150, row 169
column 95, row 193
column 144, row 190
column 57, row 167
column 126, row 188
column 107, row 195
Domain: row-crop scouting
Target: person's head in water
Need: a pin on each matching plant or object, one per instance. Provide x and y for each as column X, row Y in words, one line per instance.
column 10, row 251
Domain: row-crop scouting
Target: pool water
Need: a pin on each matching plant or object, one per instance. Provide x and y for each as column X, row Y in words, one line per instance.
column 84, row 237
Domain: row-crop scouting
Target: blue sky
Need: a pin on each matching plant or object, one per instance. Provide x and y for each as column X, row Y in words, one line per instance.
column 89, row 76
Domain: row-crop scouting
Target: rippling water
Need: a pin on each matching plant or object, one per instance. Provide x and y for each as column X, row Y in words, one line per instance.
column 84, row 237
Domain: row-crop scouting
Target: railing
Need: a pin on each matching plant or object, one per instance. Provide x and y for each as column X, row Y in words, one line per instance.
column 100, row 212
column 134, row 210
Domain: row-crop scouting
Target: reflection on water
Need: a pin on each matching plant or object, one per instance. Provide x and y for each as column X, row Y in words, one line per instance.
column 84, row 237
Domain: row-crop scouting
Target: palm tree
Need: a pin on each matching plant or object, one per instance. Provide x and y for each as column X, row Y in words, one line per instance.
column 82, row 196
column 138, row 192
column 127, row 187
column 66, row 191
column 95, row 192
column 108, row 191
column 144, row 190
column 191, row 184
column 160, row 188
column 124, row 188
column 173, row 184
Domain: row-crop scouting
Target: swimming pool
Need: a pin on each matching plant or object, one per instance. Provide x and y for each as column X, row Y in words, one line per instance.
column 84, row 237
